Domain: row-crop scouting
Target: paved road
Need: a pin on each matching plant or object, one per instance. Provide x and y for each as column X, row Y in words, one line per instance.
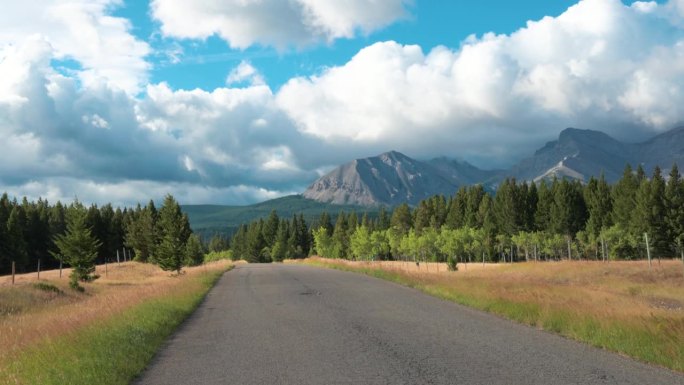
column 285, row 324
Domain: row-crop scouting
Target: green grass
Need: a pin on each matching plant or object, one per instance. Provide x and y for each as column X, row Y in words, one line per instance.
column 649, row 338
column 114, row 351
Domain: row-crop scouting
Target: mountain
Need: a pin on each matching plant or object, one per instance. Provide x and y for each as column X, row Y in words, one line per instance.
column 388, row 179
column 581, row 154
column 393, row 178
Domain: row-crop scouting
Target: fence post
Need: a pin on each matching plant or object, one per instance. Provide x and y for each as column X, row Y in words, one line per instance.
column 13, row 271
column 60, row 268
column 106, row 273
column 39, row 269
column 648, row 250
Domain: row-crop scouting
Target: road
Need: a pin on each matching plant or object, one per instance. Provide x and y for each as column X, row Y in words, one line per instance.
column 291, row 324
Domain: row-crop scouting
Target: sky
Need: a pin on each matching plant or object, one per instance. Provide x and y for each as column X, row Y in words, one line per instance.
column 239, row 101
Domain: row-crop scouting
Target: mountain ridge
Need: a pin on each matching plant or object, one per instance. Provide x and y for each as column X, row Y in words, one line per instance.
column 392, row 178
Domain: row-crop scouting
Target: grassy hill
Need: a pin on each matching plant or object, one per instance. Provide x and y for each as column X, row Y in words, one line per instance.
column 208, row 220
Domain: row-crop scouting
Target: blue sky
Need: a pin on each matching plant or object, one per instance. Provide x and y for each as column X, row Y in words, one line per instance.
column 234, row 102
column 205, row 63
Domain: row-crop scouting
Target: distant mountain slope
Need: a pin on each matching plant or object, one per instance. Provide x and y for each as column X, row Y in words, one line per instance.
column 217, row 219
column 393, row 178
column 387, row 179
column 577, row 154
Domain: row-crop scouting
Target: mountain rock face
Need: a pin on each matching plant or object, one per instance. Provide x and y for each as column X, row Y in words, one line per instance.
column 387, row 179
column 393, row 178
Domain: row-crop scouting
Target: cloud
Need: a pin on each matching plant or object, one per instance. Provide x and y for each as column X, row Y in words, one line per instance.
column 83, row 31
column 275, row 22
column 600, row 65
column 245, row 72
column 114, row 137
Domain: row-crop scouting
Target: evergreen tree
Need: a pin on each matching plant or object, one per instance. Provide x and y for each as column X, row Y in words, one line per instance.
column 383, row 219
column 674, row 214
column 326, row 223
column 280, row 251
column 171, row 252
column 624, row 198
column 649, row 213
column 271, row 228
column 16, row 243
column 340, row 237
column 599, row 206
column 256, row 243
column 422, row 216
column 456, row 209
column 142, row 234
column 568, row 211
column 194, row 251
column 77, row 247
column 542, row 216
column 401, row 219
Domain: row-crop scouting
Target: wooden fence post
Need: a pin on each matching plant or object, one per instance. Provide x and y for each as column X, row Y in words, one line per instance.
column 39, row 269
column 13, row 271
column 648, row 250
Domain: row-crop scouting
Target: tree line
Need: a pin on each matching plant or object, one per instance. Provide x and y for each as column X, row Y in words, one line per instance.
column 54, row 234
column 519, row 221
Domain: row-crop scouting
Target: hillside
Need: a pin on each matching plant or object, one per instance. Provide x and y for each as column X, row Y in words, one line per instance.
column 208, row 220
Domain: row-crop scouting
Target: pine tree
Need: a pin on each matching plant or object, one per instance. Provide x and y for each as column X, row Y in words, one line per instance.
column 568, row 210
column 542, row 215
column 142, row 234
column 599, row 206
column 194, row 251
column 16, row 243
column 624, row 199
column 674, row 214
column 271, row 228
column 170, row 254
column 383, row 219
column 340, row 237
column 401, row 219
column 77, row 247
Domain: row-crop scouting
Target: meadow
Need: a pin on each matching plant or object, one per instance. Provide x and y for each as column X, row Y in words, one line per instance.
column 51, row 334
column 625, row 306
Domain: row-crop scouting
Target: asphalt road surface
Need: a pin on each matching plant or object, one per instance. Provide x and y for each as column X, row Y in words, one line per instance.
column 290, row 324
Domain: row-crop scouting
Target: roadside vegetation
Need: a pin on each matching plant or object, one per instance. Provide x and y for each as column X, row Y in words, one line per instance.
column 621, row 306
column 52, row 334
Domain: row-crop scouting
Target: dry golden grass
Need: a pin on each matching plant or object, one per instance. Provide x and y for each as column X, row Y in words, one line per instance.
column 29, row 315
column 622, row 306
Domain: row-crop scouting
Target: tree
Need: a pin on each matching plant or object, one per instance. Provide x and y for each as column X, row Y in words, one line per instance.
column 173, row 229
column 279, row 251
column 401, row 219
column 77, row 247
column 323, row 242
column 599, row 205
column 674, row 215
column 16, row 243
column 624, row 198
column 340, row 238
column 360, row 244
column 194, row 251
column 270, row 228
column 142, row 233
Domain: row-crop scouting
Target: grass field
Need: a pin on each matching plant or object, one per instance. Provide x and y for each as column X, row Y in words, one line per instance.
column 620, row 306
column 51, row 334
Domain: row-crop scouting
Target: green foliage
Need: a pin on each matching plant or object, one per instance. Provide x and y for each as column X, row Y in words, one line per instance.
column 214, row 256
column 361, row 246
column 194, row 251
column 174, row 233
column 520, row 221
column 78, row 247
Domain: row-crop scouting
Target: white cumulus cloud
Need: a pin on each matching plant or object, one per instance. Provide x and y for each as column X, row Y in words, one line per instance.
column 278, row 23
column 600, row 65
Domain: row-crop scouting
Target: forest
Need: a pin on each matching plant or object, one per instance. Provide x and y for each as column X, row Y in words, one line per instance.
column 32, row 231
column 549, row 220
